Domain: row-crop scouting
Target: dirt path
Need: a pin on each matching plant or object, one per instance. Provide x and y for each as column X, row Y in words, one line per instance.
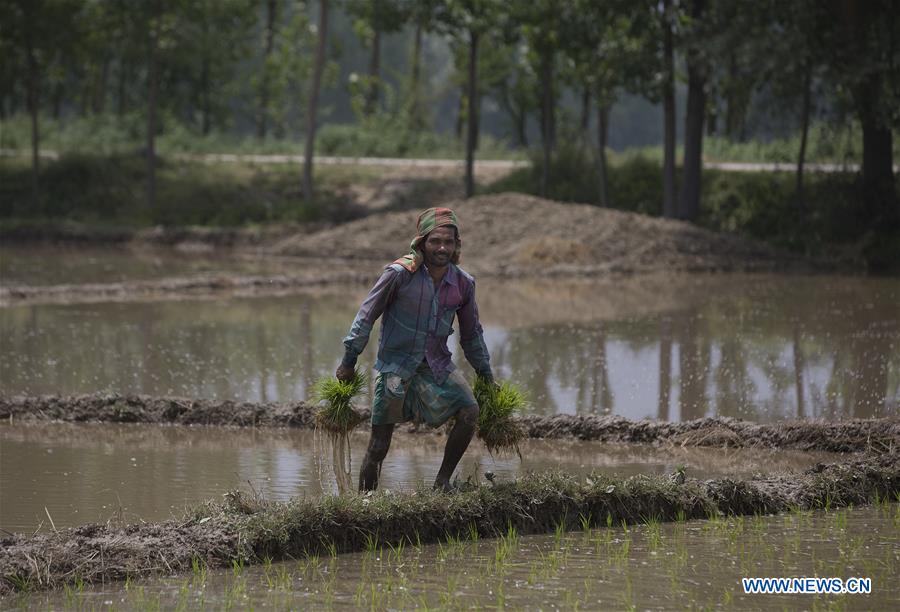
column 247, row 529
column 859, row 435
column 326, row 160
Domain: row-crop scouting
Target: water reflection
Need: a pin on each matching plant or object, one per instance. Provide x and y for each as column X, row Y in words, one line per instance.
column 756, row 347
column 88, row 472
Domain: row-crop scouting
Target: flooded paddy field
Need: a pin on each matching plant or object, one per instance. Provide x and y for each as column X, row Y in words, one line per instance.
column 757, row 347
column 91, row 473
column 765, row 348
column 650, row 565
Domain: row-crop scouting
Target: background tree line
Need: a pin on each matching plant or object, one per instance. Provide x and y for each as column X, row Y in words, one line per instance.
column 553, row 68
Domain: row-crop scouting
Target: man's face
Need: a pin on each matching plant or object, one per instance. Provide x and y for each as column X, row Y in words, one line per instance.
column 439, row 246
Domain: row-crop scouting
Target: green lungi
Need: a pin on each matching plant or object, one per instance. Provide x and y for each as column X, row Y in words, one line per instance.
column 420, row 398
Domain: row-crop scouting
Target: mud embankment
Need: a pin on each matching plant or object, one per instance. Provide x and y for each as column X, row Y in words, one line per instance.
column 248, row 529
column 507, row 235
column 858, row 435
column 186, row 238
column 310, row 275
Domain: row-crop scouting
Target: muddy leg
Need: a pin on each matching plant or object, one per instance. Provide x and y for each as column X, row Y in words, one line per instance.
column 457, row 443
column 379, row 443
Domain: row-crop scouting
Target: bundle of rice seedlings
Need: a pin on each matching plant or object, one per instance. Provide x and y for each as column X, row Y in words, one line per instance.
column 337, row 414
column 496, row 427
column 337, row 418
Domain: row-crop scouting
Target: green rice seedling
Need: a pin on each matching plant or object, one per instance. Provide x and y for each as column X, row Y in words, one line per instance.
column 395, row 551
column 237, row 566
column 559, row 531
column 654, row 533
column 337, row 414
column 473, row 532
column 371, row 540
column 497, row 405
column 585, row 521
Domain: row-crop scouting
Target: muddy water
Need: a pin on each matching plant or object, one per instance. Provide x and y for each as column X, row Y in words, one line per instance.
column 757, row 347
column 94, row 473
column 694, row 565
column 28, row 265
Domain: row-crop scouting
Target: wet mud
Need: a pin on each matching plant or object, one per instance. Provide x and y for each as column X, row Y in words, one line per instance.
column 857, row 435
column 246, row 529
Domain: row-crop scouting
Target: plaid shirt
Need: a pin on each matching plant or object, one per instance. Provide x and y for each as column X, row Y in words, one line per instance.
column 417, row 322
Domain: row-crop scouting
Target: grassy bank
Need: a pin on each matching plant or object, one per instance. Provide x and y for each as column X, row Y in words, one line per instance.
column 246, row 529
column 110, row 191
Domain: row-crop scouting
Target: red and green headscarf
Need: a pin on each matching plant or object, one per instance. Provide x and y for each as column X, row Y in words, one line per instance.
column 429, row 220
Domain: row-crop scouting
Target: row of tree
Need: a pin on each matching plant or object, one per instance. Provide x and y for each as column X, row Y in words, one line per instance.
column 206, row 60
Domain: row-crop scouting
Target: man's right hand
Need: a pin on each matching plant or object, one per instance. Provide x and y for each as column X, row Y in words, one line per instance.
column 344, row 373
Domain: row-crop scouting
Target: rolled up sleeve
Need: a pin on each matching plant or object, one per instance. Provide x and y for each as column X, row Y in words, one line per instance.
column 471, row 336
column 372, row 308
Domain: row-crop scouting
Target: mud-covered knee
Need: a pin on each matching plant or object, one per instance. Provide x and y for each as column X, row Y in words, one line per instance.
column 468, row 415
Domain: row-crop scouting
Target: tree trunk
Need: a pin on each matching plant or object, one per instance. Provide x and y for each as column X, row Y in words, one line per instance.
column 472, row 115
column 374, row 75
column 461, row 113
column 205, row 106
column 263, row 111
column 689, row 200
column 602, row 172
column 57, row 96
column 585, row 110
column 547, row 118
column 151, row 107
column 100, row 92
column 879, row 198
column 804, row 130
column 416, row 118
column 120, row 100
column 517, row 118
column 33, row 98
column 314, row 101
column 669, row 201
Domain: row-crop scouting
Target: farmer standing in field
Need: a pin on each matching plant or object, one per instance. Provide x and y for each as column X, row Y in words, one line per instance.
column 419, row 295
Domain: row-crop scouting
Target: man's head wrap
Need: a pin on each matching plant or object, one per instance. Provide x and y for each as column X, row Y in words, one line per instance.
column 429, row 220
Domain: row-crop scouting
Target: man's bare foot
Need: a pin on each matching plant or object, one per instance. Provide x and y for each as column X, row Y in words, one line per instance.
column 442, row 484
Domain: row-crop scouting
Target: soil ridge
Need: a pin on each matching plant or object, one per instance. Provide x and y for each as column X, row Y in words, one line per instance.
column 856, row 435
column 245, row 528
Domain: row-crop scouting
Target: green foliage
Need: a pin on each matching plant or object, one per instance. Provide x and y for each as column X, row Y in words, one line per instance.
column 497, row 406
column 337, row 414
column 383, row 136
column 108, row 190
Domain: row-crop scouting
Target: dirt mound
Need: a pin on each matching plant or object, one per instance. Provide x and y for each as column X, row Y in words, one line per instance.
column 513, row 234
